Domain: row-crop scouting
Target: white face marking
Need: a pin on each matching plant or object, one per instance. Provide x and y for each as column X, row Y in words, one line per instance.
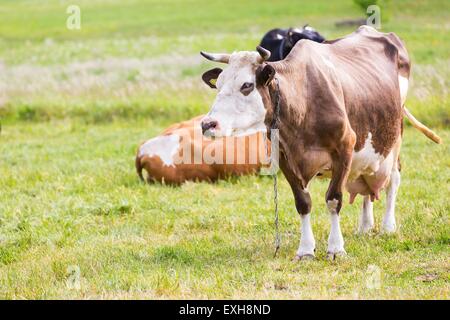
column 403, row 83
column 165, row 147
column 307, row 242
column 366, row 161
column 236, row 113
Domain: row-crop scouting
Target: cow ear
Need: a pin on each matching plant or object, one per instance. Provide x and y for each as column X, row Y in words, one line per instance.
column 266, row 75
column 210, row 77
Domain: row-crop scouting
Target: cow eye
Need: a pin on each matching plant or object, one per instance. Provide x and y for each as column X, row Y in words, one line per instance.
column 247, row 87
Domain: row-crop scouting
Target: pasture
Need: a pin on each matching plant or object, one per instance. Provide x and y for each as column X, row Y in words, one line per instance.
column 75, row 221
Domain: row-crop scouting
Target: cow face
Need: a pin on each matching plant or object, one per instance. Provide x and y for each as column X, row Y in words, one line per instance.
column 238, row 108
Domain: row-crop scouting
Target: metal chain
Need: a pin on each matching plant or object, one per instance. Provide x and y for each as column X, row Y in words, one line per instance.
column 275, row 200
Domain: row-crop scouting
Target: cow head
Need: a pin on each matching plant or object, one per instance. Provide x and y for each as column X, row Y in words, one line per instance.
column 238, row 108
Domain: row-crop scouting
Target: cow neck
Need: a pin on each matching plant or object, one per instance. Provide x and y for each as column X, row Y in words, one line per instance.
column 286, row 113
column 276, row 101
column 280, row 120
column 275, row 95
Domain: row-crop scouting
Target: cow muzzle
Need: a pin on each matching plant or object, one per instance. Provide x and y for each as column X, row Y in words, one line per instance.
column 209, row 126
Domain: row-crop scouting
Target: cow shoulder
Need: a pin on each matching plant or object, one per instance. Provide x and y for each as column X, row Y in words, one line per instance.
column 325, row 118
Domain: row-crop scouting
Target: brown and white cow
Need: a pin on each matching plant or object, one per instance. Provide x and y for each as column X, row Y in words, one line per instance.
column 340, row 115
column 182, row 153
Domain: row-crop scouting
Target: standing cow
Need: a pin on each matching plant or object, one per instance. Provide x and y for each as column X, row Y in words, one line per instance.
column 340, row 114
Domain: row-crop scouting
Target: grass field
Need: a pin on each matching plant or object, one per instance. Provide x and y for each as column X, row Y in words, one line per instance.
column 75, row 222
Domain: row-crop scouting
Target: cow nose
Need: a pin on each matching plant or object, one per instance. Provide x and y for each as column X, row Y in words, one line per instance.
column 208, row 124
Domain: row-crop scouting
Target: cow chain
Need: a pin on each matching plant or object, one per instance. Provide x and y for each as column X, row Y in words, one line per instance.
column 274, row 125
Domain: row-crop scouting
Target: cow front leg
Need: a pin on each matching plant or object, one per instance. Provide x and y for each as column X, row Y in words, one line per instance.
column 389, row 224
column 366, row 218
column 303, row 205
column 307, row 242
column 335, row 239
column 342, row 161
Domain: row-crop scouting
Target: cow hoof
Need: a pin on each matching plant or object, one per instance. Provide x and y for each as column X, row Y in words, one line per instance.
column 365, row 232
column 336, row 255
column 365, row 229
column 389, row 228
column 304, row 257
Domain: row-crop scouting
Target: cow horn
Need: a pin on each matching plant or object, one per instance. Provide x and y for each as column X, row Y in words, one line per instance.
column 264, row 53
column 217, row 57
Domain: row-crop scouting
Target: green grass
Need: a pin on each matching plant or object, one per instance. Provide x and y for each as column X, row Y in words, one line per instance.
column 75, row 105
column 70, row 197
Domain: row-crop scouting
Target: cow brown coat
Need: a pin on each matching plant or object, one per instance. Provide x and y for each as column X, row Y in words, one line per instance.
column 332, row 96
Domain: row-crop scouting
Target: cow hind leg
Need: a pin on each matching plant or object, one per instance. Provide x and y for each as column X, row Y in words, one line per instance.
column 389, row 225
column 366, row 218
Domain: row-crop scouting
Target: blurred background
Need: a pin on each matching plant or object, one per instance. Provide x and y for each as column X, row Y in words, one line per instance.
column 134, row 59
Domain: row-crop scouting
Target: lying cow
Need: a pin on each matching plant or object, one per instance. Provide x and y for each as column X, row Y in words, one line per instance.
column 182, row 153
column 281, row 41
column 340, row 114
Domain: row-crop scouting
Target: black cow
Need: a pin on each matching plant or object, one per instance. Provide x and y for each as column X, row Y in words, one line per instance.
column 281, row 41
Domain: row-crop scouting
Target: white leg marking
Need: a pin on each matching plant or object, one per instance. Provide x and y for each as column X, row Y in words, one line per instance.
column 366, row 217
column 307, row 242
column 335, row 240
column 389, row 225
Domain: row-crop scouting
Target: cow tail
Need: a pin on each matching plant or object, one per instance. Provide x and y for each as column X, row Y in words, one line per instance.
column 139, row 168
column 421, row 127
